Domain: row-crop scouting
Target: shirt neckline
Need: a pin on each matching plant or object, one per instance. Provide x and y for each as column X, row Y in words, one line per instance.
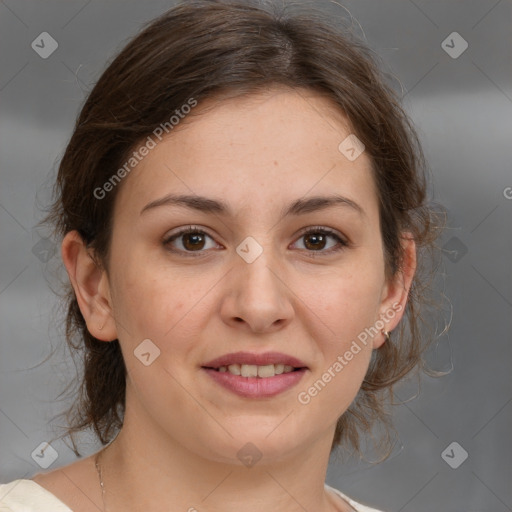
column 32, row 486
column 37, row 492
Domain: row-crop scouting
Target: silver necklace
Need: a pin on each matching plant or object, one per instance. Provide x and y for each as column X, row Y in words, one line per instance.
column 102, row 485
column 98, row 470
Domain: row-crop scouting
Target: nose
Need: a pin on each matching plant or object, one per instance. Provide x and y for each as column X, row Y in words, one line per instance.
column 257, row 298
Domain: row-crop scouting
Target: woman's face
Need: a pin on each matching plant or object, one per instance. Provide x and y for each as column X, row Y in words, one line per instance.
column 263, row 170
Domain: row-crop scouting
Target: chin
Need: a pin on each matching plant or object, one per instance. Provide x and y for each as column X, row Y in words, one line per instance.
column 257, row 443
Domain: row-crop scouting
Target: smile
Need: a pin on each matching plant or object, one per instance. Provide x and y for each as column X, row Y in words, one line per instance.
column 256, row 375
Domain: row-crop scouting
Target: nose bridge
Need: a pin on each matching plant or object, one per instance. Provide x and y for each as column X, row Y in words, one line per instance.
column 260, row 297
column 258, row 265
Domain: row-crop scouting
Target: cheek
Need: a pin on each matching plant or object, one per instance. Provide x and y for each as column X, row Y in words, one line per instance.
column 345, row 301
column 342, row 307
column 161, row 303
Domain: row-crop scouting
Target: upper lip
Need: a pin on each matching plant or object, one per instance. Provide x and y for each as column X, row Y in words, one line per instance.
column 263, row 359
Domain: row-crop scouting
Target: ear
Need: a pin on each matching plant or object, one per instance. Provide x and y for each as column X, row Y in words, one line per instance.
column 396, row 290
column 91, row 286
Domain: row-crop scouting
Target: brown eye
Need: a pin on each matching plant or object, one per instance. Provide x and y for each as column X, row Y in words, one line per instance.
column 315, row 241
column 322, row 241
column 191, row 240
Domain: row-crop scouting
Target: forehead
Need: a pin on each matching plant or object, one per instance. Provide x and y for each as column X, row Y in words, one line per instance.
column 264, row 148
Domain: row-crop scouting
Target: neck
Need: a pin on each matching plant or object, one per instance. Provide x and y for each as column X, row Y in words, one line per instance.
column 143, row 472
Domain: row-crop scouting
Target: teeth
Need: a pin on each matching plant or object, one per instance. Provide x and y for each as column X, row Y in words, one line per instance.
column 252, row 370
column 248, row 370
column 266, row 371
column 234, row 369
column 278, row 369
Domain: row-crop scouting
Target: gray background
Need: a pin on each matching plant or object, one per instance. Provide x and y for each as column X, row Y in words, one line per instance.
column 462, row 108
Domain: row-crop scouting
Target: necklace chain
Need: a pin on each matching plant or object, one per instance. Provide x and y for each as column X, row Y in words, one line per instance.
column 99, row 470
column 102, row 485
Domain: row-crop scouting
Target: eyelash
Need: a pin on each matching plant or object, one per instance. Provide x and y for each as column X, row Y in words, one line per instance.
column 342, row 244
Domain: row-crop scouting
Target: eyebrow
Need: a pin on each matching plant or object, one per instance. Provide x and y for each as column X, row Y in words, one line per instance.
column 298, row 207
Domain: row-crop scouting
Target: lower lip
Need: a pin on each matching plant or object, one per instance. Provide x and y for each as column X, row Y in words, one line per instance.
column 255, row 387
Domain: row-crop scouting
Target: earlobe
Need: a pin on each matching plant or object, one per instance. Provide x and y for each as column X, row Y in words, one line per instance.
column 91, row 286
column 396, row 292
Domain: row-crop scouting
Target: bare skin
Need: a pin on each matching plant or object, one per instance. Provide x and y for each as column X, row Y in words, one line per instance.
column 182, row 431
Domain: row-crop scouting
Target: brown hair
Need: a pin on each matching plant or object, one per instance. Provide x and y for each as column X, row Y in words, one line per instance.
column 202, row 49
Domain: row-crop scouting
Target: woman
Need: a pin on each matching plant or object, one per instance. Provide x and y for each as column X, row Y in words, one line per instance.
column 242, row 207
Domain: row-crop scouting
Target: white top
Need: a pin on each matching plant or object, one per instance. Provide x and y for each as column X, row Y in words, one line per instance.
column 28, row 496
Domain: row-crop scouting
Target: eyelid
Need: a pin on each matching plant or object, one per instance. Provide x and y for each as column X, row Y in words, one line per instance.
column 191, row 228
column 324, row 229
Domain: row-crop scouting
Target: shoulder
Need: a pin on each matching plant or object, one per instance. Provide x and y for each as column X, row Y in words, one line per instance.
column 71, row 488
column 28, row 496
column 358, row 507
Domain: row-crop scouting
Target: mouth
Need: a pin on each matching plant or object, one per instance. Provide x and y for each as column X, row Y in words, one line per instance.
column 247, row 364
column 256, row 375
